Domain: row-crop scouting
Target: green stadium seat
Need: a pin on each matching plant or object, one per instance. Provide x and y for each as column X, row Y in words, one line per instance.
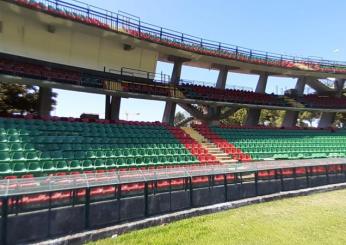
column 19, row 168
column 5, row 168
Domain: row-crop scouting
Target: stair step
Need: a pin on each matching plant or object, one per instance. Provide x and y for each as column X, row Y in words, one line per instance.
column 212, row 148
column 224, row 157
column 221, row 154
column 228, row 161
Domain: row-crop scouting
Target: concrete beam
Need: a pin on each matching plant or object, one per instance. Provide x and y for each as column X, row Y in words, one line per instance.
column 169, row 112
column 193, row 111
column 254, row 114
column 291, row 117
column 318, row 86
column 45, row 101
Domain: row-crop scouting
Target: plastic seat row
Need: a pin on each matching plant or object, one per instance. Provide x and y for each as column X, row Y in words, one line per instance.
column 285, row 144
column 48, row 148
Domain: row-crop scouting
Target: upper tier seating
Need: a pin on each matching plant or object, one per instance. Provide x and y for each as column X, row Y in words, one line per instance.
column 38, row 71
column 316, row 101
column 230, row 95
column 285, row 144
column 31, row 146
column 171, row 39
column 84, row 77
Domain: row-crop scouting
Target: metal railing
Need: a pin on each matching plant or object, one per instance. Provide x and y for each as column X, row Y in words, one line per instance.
column 23, row 186
column 128, row 24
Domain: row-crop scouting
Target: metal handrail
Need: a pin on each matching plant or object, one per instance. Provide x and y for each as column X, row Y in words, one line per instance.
column 136, row 27
column 27, row 186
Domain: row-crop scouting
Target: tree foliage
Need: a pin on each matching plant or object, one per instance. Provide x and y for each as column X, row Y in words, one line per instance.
column 306, row 118
column 179, row 116
column 20, row 99
column 340, row 120
column 272, row 118
column 238, row 118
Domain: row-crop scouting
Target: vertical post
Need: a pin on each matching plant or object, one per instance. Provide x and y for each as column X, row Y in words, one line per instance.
column 307, row 176
column 170, row 194
column 191, row 190
column 282, row 179
column 87, row 208
column 256, row 183
column 146, row 194
column 49, row 212
column 295, row 177
column 327, row 174
column 225, row 186
column 4, row 215
column 117, row 22
column 119, row 200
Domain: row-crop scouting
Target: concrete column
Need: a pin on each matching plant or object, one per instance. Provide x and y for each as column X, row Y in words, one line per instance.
column 214, row 111
column 45, row 101
column 254, row 114
column 292, row 116
column 108, row 107
column 115, row 107
column 222, row 78
column 328, row 118
column 169, row 112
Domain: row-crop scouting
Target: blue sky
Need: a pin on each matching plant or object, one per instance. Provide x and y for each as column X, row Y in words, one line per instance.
column 295, row 27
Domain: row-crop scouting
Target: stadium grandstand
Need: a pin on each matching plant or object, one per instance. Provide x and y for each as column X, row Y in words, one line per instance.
column 64, row 175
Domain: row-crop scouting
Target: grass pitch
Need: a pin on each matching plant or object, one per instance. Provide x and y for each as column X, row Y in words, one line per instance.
column 315, row 219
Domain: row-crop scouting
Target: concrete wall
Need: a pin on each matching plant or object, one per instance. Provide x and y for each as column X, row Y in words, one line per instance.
column 25, row 34
column 43, row 224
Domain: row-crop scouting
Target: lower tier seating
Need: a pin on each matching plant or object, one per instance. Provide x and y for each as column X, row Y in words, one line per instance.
column 285, row 144
column 234, row 152
column 40, row 147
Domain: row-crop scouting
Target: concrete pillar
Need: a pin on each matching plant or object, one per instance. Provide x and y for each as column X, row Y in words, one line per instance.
column 115, row 107
column 112, row 107
column 328, row 118
column 108, row 107
column 45, row 101
column 214, row 111
column 292, row 116
column 254, row 114
column 222, row 78
column 169, row 112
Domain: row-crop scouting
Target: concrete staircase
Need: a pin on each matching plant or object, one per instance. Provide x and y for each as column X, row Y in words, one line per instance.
column 211, row 147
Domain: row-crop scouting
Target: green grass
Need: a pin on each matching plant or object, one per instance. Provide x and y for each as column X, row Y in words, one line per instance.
column 316, row 219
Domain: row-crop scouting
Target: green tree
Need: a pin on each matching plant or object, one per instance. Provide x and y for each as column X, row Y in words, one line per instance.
column 18, row 98
column 238, row 118
column 179, row 116
column 340, row 120
column 272, row 118
column 306, row 118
